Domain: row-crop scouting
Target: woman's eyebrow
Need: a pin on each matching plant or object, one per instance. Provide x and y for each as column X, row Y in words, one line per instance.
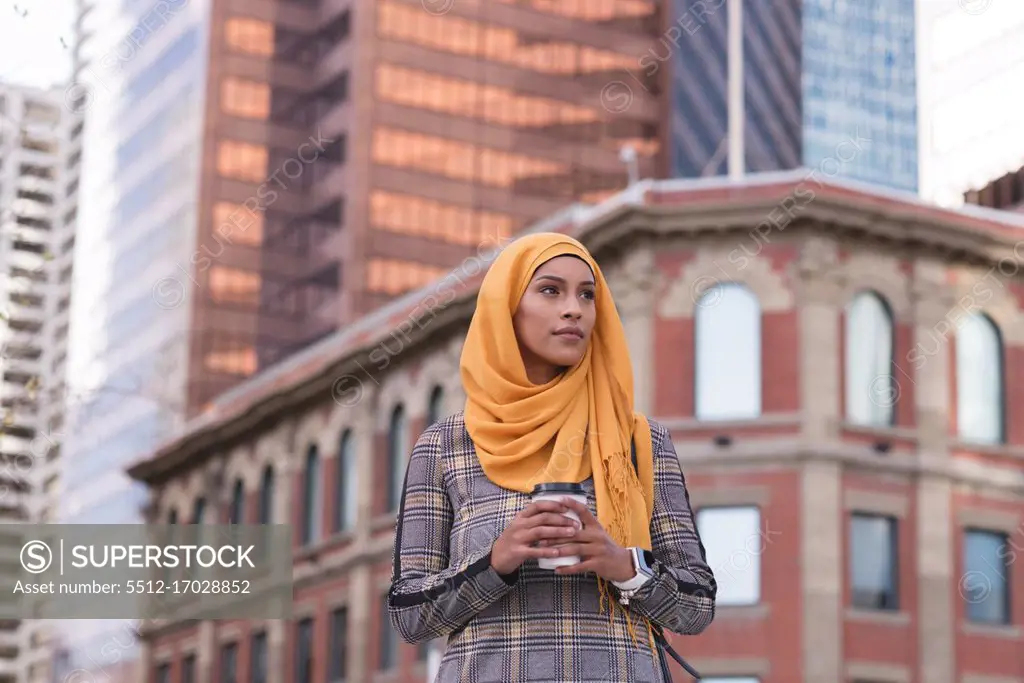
column 556, row 278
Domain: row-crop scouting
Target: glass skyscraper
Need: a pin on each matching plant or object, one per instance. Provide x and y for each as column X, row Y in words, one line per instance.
column 140, row 81
column 815, row 74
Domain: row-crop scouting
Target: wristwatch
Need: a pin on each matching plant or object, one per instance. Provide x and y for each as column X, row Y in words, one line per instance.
column 643, row 574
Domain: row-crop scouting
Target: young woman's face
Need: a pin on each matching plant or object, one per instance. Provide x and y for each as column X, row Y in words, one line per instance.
column 555, row 317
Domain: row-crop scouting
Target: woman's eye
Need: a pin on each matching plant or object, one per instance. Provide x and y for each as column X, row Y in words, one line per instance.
column 588, row 295
column 548, row 290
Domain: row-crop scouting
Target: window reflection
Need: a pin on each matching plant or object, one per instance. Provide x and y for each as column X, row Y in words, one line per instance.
column 238, row 224
column 250, row 36
column 242, row 161
column 234, row 285
column 871, row 389
column 392, row 276
column 413, row 215
column 589, row 10
column 980, row 392
column 241, row 362
column 409, row 23
column 727, row 358
column 458, row 160
column 475, row 100
column 244, row 98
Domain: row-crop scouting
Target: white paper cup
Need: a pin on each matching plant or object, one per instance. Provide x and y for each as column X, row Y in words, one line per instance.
column 557, row 492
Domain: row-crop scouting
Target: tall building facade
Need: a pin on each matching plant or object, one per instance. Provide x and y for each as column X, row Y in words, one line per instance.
column 39, row 153
column 841, row 399
column 139, row 79
column 971, row 60
column 756, row 87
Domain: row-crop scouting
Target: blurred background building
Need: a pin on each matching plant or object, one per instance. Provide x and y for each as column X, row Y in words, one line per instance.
column 39, row 157
column 840, row 394
column 768, row 86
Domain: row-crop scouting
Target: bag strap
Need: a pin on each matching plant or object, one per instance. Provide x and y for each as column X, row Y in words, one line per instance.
column 659, row 634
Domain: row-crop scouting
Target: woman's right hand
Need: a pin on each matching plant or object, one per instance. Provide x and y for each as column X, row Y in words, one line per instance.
column 540, row 521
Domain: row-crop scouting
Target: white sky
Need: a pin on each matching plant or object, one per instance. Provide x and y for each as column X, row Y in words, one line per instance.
column 30, row 47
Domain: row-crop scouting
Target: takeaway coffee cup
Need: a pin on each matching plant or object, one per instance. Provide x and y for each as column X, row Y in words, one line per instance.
column 556, row 492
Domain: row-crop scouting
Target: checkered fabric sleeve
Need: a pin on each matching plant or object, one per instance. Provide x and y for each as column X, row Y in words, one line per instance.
column 681, row 597
column 429, row 598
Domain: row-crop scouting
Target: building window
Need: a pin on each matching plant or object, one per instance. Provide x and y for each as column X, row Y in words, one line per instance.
column 163, row 673
column 871, row 390
column 229, row 663
column 980, row 410
column 985, row 584
column 412, row 215
column 435, row 406
column 198, row 510
column 462, row 161
column 339, row 645
column 874, row 564
column 242, row 161
column 733, row 544
column 346, row 495
column 388, row 639
column 266, row 502
column 237, row 224
column 727, row 358
column 391, row 276
column 396, row 456
column 455, row 35
column 234, row 286
column 188, row 669
column 501, row 106
column 245, row 99
column 258, row 658
column 236, row 513
column 311, row 497
column 249, row 36
column 172, row 517
column 241, row 361
column 304, row 651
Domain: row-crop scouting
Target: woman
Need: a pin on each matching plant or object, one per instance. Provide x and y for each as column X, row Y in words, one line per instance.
column 549, row 390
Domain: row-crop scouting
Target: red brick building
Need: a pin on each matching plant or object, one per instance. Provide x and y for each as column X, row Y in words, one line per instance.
column 840, row 370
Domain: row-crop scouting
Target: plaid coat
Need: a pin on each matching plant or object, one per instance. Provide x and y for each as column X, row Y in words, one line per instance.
column 533, row 625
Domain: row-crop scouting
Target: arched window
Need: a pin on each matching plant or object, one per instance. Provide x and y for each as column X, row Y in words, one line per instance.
column 871, row 388
column 727, row 358
column 435, row 406
column 236, row 513
column 265, row 513
column 311, row 497
column 198, row 510
column 172, row 517
column 396, row 456
column 980, row 392
column 346, row 495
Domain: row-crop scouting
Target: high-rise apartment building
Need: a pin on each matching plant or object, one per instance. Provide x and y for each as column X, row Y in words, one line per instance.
column 39, row 141
column 766, row 86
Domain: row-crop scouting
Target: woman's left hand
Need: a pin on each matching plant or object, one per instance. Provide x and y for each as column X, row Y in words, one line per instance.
column 598, row 552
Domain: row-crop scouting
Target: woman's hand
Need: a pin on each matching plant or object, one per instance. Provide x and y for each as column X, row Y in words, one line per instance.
column 598, row 552
column 538, row 524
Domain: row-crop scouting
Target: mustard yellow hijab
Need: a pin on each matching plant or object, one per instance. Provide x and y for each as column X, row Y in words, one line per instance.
column 578, row 425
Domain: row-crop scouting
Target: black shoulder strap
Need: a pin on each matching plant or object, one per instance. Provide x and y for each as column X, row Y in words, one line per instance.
column 633, row 455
